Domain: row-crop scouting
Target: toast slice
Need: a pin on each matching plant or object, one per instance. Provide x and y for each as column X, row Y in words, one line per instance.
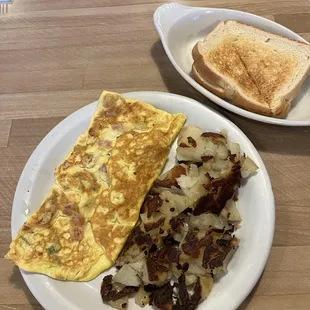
column 256, row 70
column 237, row 93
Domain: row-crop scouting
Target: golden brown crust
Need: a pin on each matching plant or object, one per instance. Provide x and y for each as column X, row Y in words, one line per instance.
column 274, row 34
column 224, row 67
column 203, row 70
column 83, row 223
column 210, row 86
column 260, row 63
column 134, row 167
column 238, row 69
column 249, row 105
column 281, row 110
column 235, row 97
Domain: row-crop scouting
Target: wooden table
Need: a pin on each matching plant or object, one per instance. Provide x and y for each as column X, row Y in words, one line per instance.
column 57, row 56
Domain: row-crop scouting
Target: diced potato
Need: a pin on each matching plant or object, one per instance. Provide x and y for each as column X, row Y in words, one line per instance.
column 205, row 156
column 221, row 151
column 192, row 184
column 152, row 219
column 119, row 304
column 210, row 148
column 187, row 150
column 137, row 266
column 235, row 150
column 207, row 166
column 204, row 221
column 230, row 212
column 224, row 133
column 248, row 167
column 173, row 204
column 177, row 237
column 196, row 269
column 162, row 276
column 190, row 279
column 206, row 283
column 127, row 276
column 175, row 271
column 189, row 131
column 221, row 165
column 214, row 174
column 132, row 255
column 142, row 298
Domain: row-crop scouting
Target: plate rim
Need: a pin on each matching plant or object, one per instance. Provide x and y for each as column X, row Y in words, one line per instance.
column 215, row 99
column 135, row 95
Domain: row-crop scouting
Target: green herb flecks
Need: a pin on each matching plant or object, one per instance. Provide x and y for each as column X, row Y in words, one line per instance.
column 25, row 240
column 51, row 250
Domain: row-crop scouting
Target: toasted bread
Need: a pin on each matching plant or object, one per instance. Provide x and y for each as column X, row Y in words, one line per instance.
column 256, row 70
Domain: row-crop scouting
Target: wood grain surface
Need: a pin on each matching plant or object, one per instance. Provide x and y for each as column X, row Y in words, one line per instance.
column 57, row 55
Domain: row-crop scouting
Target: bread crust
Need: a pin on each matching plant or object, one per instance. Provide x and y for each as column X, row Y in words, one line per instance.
column 206, row 76
column 217, row 90
column 235, row 97
column 204, row 70
column 283, row 107
column 228, row 88
column 275, row 35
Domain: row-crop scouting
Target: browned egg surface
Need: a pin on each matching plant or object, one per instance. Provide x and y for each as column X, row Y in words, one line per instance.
column 83, row 223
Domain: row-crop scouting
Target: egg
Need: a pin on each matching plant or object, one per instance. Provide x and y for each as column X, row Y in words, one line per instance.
column 82, row 224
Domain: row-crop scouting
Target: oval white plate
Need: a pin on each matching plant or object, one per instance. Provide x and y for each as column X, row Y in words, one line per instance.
column 180, row 27
column 256, row 205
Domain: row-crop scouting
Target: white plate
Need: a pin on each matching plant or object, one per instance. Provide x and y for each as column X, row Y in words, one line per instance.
column 180, row 27
column 256, row 205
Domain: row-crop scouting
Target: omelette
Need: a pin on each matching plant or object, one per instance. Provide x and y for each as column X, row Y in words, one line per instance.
column 83, row 223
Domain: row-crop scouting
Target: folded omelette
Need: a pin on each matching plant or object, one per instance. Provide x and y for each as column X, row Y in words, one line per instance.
column 84, row 221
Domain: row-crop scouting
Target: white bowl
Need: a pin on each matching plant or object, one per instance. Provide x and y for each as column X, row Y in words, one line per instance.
column 256, row 206
column 180, row 27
